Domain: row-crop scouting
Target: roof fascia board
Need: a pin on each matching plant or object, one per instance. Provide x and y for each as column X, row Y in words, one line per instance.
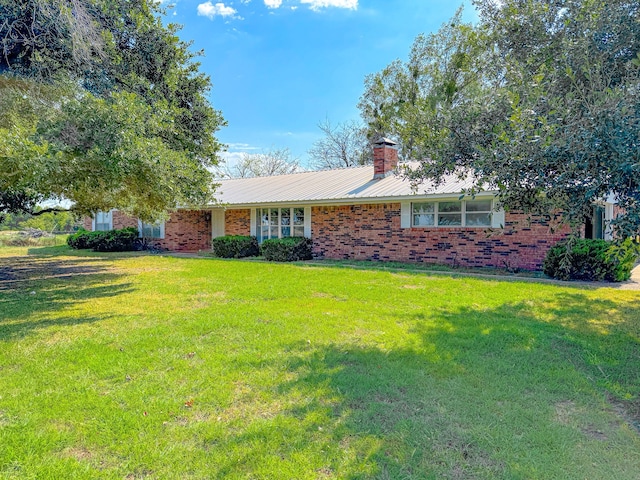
column 355, row 201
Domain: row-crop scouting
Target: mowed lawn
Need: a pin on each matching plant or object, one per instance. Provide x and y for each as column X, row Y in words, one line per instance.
column 145, row 366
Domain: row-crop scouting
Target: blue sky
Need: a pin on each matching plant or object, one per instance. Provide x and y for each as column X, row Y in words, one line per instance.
column 279, row 67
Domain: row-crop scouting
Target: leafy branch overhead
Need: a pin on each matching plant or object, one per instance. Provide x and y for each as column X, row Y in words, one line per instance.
column 101, row 105
column 539, row 99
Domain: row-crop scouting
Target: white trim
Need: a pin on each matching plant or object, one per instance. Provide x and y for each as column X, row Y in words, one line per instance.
column 405, row 215
column 252, row 228
column 357, row 201
column 608, row 216
column 307, row 222
column 498, row 218
column 462, row 212
column 218, row 224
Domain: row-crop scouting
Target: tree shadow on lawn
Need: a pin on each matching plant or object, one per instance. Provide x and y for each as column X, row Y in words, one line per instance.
column 484, row 393
column 33, row 288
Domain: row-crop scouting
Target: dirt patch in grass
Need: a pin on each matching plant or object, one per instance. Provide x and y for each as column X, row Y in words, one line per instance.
column 629, row 410
column 16, row 271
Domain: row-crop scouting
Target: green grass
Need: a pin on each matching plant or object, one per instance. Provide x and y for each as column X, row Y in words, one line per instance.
column 146, row 366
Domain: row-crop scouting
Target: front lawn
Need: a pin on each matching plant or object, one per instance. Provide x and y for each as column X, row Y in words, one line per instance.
column 142, row 366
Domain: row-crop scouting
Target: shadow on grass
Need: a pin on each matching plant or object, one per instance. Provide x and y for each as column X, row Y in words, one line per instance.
column 33, row 288
column 484, row 393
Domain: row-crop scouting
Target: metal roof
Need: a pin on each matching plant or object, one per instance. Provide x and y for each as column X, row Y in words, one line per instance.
column 347, row 185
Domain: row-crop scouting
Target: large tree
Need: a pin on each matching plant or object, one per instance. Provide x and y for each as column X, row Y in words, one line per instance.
column 343, row 145
column 276, row 161
column 101, row 105
column 540, row 100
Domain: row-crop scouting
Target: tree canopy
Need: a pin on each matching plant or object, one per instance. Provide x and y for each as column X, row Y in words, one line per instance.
column 343, row 145
column 101, row 105
column 540, row 100
column 276, row 161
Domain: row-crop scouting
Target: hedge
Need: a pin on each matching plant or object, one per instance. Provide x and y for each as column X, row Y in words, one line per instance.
column 235, row 246
column 591, row 260
column 288, row 249
column 122, row 240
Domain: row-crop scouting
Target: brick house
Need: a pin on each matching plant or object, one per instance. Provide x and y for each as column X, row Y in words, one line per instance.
column 365, row 213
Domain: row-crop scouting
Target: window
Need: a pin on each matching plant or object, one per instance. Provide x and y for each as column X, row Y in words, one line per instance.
column 478, row 213
column 103, row 221
column 151, row 230
column 470, row 213
column 279, row 223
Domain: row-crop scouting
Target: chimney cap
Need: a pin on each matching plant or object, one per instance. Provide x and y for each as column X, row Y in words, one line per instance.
column 385, row 141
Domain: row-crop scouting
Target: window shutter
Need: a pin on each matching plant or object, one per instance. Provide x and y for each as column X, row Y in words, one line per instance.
column 497, row 218
column 252, row 228
column 93, row 224
column 307, row 222
column 405, row 215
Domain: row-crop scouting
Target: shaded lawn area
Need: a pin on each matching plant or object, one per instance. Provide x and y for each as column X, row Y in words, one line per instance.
column 133, row 366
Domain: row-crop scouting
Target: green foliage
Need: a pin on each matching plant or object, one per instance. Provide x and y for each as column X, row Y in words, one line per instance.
column 235, row 246
column 591, row 260
column 538, row 100
column 104, row 106
column 52, row 222
column 289, row 249
column 123, row 240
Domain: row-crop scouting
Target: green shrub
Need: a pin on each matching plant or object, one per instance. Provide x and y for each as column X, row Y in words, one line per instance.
column 235, row 246
column 288, row 249
column 123, row 240
column 591, row 260
column 82, row 239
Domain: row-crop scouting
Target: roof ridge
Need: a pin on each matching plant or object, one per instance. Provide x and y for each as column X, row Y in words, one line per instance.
column 353, row 167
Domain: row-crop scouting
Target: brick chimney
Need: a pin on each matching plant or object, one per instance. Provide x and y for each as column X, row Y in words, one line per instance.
column 385, row 157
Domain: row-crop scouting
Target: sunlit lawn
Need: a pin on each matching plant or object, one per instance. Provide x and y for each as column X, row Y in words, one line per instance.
column 133, row 366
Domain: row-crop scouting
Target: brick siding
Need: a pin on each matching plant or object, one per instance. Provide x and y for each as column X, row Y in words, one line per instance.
column 372, row 232
column 237, row 222
column 186, row 230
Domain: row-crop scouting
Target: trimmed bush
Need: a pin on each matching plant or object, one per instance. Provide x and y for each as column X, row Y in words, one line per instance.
column 288, row 249
column 235, row 246
column 591, row 260
column 82, row 239
column 123, row 240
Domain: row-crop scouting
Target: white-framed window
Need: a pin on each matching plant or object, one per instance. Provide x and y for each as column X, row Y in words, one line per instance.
column 465, row 213
column 151, row 230
column 103, row 221
column 279, row 223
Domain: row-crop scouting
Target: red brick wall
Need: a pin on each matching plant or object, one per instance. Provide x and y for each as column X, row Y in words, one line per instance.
column 122, row 220
column 119, row 220
column 186, row 230
column 372, row 232
column 237, row 222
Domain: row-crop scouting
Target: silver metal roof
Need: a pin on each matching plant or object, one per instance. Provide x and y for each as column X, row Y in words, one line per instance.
column 347, row 185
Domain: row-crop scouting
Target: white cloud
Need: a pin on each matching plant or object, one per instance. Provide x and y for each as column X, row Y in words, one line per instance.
column 210, row 10
column 318, row 4
column 273, row 3
column 241, row 146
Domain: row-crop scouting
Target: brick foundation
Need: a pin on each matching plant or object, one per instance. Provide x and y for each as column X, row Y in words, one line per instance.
column 372, row 232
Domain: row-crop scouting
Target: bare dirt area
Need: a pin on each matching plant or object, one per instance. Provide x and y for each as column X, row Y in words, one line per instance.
column 16, row 271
